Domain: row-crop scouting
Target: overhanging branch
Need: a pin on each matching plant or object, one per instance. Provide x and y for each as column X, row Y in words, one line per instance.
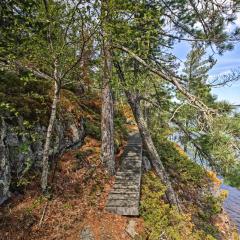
column 172, row 79
column 19, row 66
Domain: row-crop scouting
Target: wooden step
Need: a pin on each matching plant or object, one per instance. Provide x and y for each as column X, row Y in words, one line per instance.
column 125, row 194
column 127, row 182
column 124, row 211
column 123, row 191
column 122, row 203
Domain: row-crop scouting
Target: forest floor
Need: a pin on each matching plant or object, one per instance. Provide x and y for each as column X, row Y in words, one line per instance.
column 80, row 187
column 79, row 193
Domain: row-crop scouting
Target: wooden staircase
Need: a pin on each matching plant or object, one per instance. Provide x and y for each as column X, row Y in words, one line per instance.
column 125, row 195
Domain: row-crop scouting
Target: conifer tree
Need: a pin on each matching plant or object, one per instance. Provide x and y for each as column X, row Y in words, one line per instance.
column 206, row 141
column 145, row 36
column 107, row 127
column 51, row 47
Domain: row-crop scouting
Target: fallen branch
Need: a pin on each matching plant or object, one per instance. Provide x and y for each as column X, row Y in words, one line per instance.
column 44, row 213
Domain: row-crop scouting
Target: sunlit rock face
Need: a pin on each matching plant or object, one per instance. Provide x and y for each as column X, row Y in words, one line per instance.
column 21, row 149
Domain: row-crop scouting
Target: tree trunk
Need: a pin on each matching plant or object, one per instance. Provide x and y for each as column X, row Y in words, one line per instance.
column 107, row 128
column 107, row 147
column 149, row 145
column 44, row 181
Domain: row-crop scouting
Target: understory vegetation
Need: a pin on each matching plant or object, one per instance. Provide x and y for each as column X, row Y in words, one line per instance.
column 79, row 175
column 195, row 187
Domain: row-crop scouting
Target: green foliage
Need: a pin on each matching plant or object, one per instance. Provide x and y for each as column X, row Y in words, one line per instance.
column 162, row 221
column 211, row 206
column 213, row 139
column 6, row 107
column 181, row 168
column 23, row 182
column 67, row 206
column 82, row 155
column 192, row 184
column 221, row 143
column 233, row 177
column 196, row 71
column 24, row 178
column 120, row 130
column 27, row 165
column 26, row 99
column 36, row 203
column 93, row 129
column 119, row 122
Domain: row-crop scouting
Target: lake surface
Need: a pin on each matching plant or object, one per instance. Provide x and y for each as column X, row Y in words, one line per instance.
column 232, row 204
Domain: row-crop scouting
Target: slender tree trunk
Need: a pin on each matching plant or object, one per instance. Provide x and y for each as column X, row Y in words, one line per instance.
column 149, row 145
column 45, row 165
column 87, row 53
column 107, row 147
column 134, row 102
column 107, row 126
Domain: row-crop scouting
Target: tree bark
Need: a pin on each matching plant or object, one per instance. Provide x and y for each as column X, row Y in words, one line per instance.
column 134, row 103
column 107, row 126
column 107, row 147
column 45, row 165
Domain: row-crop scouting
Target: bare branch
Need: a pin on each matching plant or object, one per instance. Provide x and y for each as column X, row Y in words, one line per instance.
column 35, row 72
column 22, row 67
column 85, row 41
column 225, row 79
column 72, row 18
column 175, row 111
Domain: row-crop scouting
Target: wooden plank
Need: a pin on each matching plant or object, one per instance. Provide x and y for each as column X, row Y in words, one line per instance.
column 127, row 176
column 122, row 191
column 125, row 211
column 124, row 182
column 122, row 203
column 125, row 194
column 131, row 196
column 127, row 188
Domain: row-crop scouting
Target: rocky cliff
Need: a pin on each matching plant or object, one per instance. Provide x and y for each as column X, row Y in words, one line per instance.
column 19, row 152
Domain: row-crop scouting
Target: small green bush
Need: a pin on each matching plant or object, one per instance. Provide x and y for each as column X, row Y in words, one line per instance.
column 161, row 220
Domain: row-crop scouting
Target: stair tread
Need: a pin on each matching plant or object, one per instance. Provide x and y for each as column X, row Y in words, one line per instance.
column 124, row 196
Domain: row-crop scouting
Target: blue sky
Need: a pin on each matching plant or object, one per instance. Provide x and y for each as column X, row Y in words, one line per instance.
column 228, row 61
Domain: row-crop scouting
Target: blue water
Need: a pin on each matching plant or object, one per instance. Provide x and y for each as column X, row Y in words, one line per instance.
column 232, row 204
